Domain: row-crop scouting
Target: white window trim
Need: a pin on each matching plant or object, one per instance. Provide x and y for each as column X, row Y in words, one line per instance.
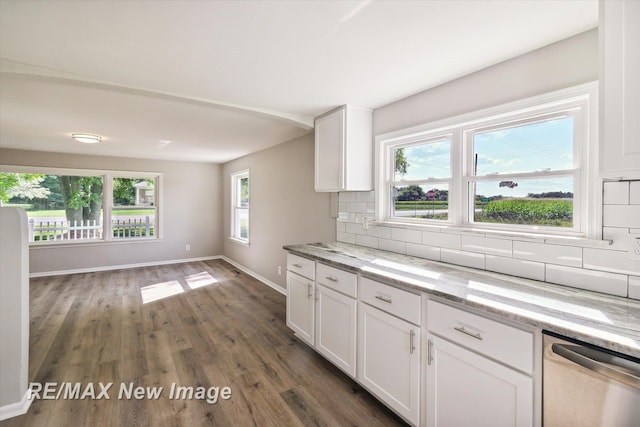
column 587, row 190
column 107, row 202
column 235, row 177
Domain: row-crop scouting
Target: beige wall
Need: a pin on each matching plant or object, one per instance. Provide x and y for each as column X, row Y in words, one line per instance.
column 285, row 209
column 566, row 63
column 192, row 213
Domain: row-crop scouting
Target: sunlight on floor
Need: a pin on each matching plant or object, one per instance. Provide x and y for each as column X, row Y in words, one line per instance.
column 159, row 291
column 199, row 280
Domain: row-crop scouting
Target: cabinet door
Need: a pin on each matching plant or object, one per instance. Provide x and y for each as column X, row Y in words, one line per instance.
column 620, row 88
column 329, row 138
column 389, row 360
column 466, row 389
column 336, row 328
column 300, row 306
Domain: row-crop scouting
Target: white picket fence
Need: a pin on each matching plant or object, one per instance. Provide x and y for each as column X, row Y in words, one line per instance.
column 93, row 230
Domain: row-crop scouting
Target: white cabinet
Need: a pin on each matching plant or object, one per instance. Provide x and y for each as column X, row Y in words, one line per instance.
column 466, row 389
column 336, row 328
column 300, row 306
column 389, row 351
column 343, row 150
column 479, row 371
column 620, row 88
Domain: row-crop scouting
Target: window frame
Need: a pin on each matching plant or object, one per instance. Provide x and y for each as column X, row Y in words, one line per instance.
column 107, row 202
column 580, row 101
column 234, row 232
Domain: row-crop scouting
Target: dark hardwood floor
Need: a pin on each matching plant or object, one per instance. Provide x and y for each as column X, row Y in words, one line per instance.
column 198, row 324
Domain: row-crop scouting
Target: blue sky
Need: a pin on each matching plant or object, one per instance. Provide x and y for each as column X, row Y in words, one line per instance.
column 534, row 147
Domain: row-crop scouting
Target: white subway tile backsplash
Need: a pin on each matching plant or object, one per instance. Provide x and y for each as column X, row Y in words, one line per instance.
column 614, row 261
column 598, row 281
column 347, row 196
column 486, row 245
column 621, row 216
column 354, row 228
column 554, row 254
column 392, row 246
column 371, row 208
column 377, row 231
column 365, row 196
column 634, row 193
column 358, row 207
column 634, row 287
column 346, row 237
column 467, row 259
column 516, row 267
column 406, row 235
column 616, row 193
column 341, row 227
column 423, row 251
column 619, row 236
column 444, row 240
column 371, row 242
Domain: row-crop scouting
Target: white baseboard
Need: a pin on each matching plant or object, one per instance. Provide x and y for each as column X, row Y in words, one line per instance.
column 16, row 409
column 120, row 267
column 255, row 275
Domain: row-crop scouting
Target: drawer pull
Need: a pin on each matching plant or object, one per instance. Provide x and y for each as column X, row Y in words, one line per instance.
column 471, row 334
column 332, row 279
column 297, row 265
column 309, row 290
column 384, row 299
column 412, row 346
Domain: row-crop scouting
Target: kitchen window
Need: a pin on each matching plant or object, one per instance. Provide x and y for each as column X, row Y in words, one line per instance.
column 522, row 167
column 240, row 206
column 78, row 206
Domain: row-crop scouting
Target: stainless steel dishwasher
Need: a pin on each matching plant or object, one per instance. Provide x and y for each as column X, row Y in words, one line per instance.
column 584, row 385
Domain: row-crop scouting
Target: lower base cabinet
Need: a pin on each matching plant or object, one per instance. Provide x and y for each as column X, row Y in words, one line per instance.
column 389, row 360
column 300, row 306
column 336, row 328
column 467, row 389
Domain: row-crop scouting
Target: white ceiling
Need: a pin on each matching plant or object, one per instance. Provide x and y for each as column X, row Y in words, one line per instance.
column 214, row 80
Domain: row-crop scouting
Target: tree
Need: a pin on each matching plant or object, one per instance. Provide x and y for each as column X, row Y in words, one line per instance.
column 401, row 162
column 124, row 193
column 410, row 193
column 21, row 185
column 82, row 197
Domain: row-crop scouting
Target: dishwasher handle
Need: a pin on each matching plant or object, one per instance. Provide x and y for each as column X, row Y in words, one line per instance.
column 603, row 369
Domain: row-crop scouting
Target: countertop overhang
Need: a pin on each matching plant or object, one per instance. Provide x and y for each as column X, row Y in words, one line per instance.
column 599, row 319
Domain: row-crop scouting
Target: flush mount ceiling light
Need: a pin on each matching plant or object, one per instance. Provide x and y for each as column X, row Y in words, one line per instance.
column 86, row 138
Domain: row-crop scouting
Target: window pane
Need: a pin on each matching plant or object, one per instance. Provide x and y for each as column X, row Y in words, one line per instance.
column 421, row 201
column 59, row 207
column 430, row 160
column 545, row 202
column 134, row 212
column 539, row 146
column 243, row 192
column 242, row 223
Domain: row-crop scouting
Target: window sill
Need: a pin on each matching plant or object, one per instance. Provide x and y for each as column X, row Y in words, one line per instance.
column 239, row 241
column 78, row 243
column 556, row 239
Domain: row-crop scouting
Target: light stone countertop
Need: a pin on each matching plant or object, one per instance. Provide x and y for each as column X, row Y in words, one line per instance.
column 603, row 320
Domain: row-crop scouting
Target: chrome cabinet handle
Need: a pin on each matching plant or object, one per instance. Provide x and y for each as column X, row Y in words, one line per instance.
column 309, row 291
column 429, row 352
column 384, row 299
column 332, row 279
column 471, row 334
column 412, row 346
column 297, row 265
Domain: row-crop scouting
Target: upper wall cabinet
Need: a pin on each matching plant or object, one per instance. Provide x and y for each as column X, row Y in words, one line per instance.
column 620, row 88
column 344, row 150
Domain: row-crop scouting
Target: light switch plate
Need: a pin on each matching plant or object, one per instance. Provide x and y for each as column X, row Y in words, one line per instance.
column 634, row 246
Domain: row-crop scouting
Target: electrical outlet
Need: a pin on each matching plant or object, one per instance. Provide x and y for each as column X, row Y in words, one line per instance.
column 187, row 247
column 634, row 246
column 279, row 270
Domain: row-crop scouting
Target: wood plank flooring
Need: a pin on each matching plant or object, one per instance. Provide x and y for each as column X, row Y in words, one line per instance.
column 198, row 324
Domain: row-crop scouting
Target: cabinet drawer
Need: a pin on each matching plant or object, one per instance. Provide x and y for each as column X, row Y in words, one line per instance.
column 336, row 279
column 302, row 266
column 395, row 301
column 509, row 345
